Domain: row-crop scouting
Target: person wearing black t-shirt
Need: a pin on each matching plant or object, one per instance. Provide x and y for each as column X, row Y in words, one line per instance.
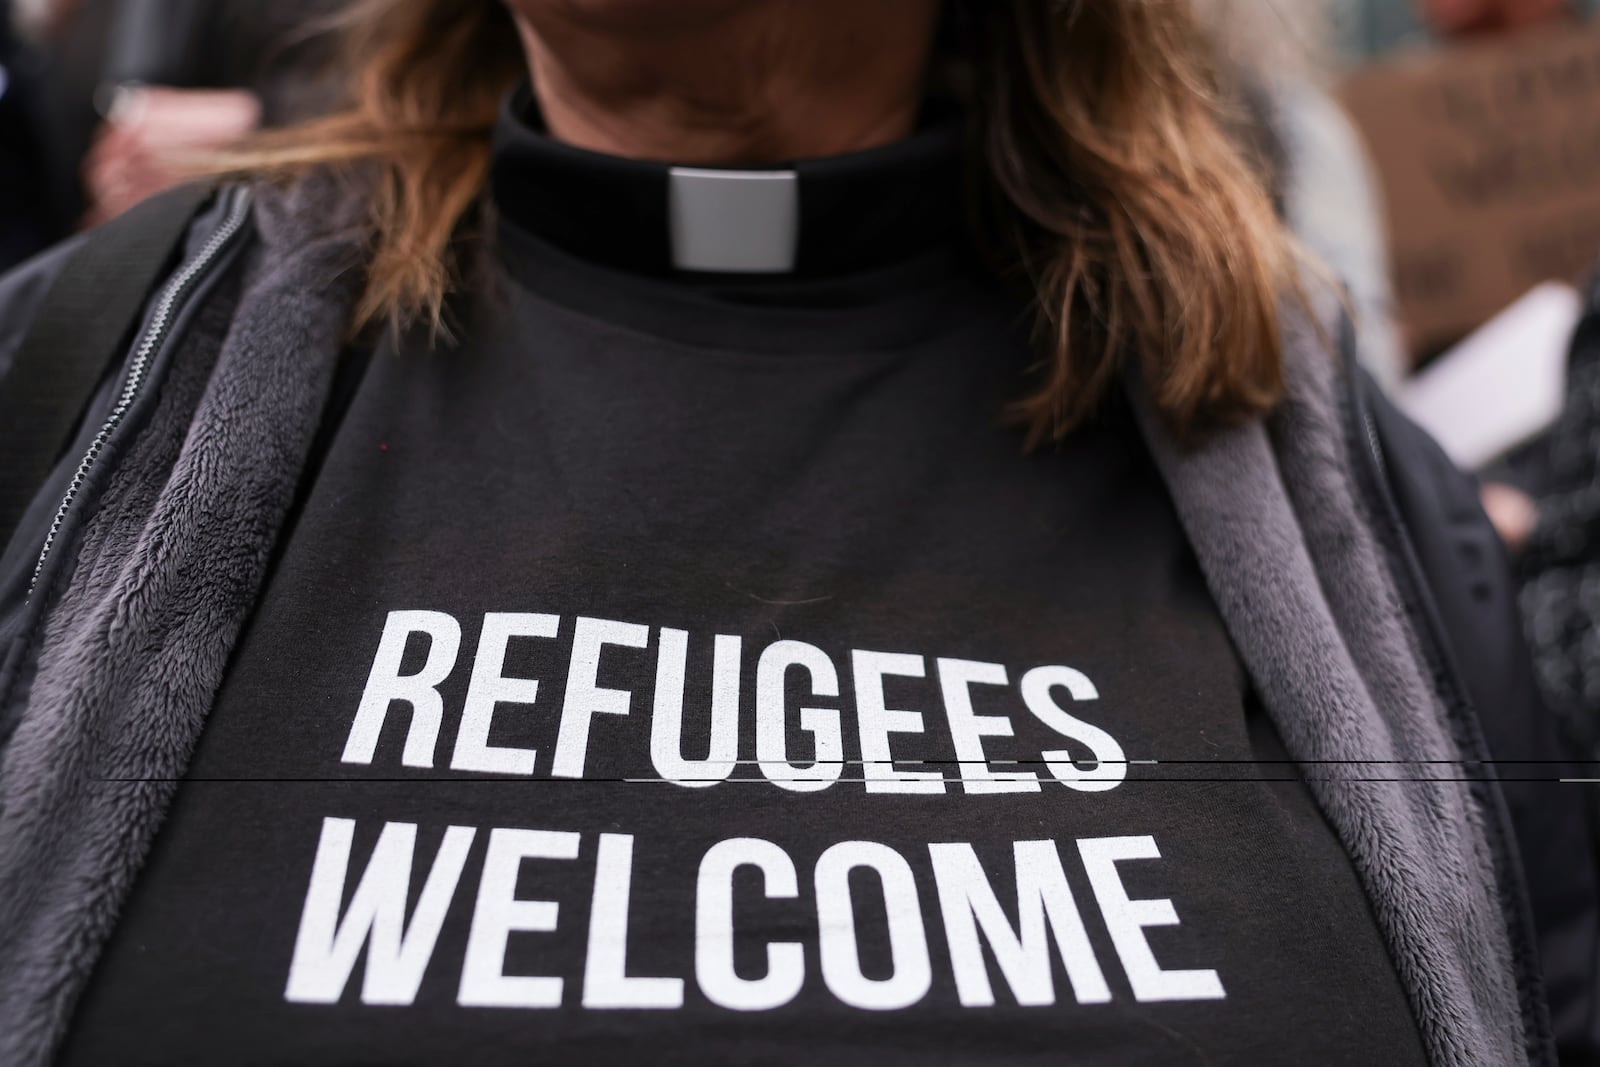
column 796, row 531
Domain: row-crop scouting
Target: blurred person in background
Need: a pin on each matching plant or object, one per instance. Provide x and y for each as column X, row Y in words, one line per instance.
column 62, row 45
column 25, row 217
column 185, row 77
column 1546, row 503
column 1465, row 18
column 646, row 529
column 124, row 93
column 1370, row 28
column 1559, row 547
column 1280, row 56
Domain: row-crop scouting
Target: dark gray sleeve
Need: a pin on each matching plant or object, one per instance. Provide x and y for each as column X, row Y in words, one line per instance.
column 21, row 290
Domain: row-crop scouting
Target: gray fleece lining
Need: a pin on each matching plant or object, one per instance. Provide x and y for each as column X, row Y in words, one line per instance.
column 173, row 560
column 135, row 649
column 1315, row 616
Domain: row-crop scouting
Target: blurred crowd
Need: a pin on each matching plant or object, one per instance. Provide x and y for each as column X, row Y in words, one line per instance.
column 101, row 101
column 1543, row 495
column 98, row 97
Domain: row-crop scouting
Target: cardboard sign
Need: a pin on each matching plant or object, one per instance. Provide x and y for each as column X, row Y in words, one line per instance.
column 1489, row 157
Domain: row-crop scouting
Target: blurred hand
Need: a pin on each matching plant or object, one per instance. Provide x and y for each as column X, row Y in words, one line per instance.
column 1459, row 17
column 1512, row 512
column 140, row 149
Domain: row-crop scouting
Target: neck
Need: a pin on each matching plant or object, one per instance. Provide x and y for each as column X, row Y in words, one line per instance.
column 746, row 82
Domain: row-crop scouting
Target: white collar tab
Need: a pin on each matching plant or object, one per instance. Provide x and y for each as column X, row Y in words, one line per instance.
column 733, row 221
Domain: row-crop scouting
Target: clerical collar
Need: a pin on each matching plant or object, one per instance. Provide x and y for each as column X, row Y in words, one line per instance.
column 810, row 218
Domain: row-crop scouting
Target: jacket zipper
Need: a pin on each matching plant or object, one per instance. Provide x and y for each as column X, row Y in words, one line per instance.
column 1438, row 651
column 177, row 288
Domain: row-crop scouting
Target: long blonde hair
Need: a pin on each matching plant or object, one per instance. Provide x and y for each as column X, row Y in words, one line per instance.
column 1117, row 191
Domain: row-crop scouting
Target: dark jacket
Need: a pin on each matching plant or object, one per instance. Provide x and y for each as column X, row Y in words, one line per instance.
column 1474, row 599
column 1444, row 560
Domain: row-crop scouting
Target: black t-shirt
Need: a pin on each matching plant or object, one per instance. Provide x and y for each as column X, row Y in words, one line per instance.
column 698, row 670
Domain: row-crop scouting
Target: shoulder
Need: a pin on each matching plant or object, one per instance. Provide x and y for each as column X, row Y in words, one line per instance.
column 22, row 290
column 112, row 272
column 67, row 323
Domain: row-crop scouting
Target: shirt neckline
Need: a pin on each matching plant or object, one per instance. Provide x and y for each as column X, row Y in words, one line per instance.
column 881, row 249
column 856, row 212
